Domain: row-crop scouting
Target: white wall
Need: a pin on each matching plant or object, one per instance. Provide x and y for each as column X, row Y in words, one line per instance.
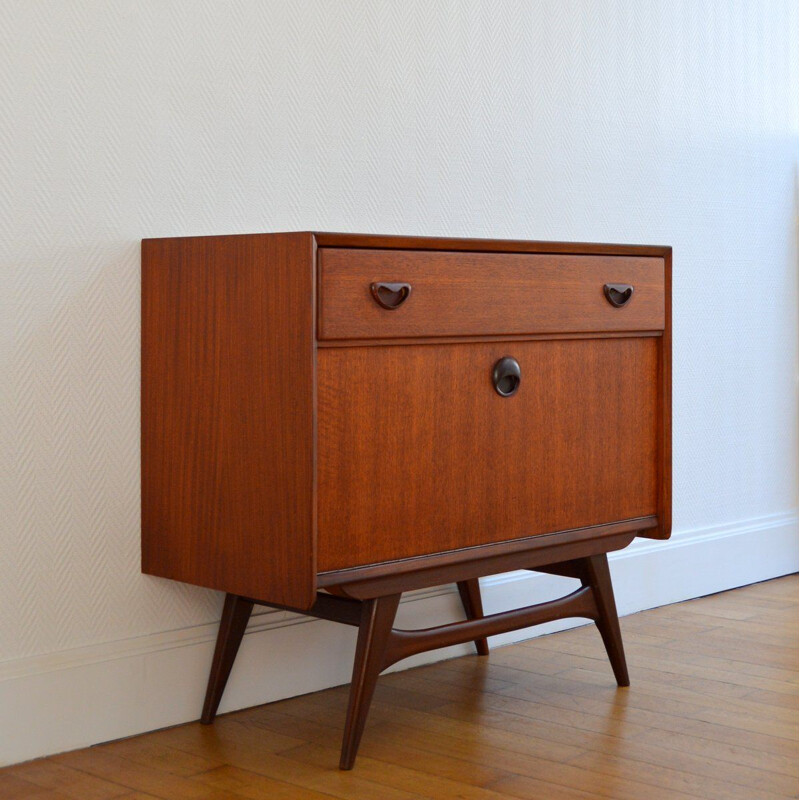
column 648, row 122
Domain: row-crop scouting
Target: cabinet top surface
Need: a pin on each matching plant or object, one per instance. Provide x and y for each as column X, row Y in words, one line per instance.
column 369, row 240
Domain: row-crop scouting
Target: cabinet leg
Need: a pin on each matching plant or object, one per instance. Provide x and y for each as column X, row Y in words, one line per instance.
column 599, row 578
column 235, row 614
column 470, row 592
column 377, row 617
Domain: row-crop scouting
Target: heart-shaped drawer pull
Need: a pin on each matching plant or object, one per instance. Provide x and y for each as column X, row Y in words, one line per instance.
column 390, row 295
column 618, row 294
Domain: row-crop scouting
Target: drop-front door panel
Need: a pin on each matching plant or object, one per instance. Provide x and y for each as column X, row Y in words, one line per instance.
column 418, row 453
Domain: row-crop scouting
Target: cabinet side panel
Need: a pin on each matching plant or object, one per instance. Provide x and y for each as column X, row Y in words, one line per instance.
column 664, row 529
column 228, row 477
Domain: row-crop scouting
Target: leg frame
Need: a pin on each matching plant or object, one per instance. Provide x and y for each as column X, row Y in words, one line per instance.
column 380, row 644
column 470, row 592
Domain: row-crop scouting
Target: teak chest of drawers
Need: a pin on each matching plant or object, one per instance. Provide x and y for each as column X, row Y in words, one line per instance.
column 329, row 420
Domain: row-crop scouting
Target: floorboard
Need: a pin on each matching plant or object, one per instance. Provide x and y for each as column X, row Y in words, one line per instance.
column 712, row 713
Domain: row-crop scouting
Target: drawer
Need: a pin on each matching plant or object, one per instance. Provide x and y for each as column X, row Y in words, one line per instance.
column 418, row 453
column 483, row 294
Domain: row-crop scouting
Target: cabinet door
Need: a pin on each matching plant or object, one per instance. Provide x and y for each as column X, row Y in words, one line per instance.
column 418, row 453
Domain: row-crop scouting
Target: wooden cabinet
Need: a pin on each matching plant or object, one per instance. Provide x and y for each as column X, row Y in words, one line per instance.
column 331, row 419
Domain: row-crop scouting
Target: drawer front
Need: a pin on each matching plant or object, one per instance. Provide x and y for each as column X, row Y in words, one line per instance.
column 479, row 294
column 418, row 453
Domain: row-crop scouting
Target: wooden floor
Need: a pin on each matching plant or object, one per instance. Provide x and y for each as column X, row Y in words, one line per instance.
column 711, row 713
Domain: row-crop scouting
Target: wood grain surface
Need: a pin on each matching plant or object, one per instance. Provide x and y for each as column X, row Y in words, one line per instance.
column 228, row 414
column 458, row 293
column 418, row 453
column 374, row 241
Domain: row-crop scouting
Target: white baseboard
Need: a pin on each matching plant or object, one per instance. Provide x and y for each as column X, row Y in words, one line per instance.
column 81, row 697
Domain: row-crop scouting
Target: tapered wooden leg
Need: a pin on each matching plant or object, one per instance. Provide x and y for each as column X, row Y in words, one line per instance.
column 377, row 617
column 599, row 578
column 235, row 614
column 470, row 592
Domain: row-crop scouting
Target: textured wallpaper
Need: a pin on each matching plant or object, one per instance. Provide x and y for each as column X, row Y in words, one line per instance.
column 648, row 122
